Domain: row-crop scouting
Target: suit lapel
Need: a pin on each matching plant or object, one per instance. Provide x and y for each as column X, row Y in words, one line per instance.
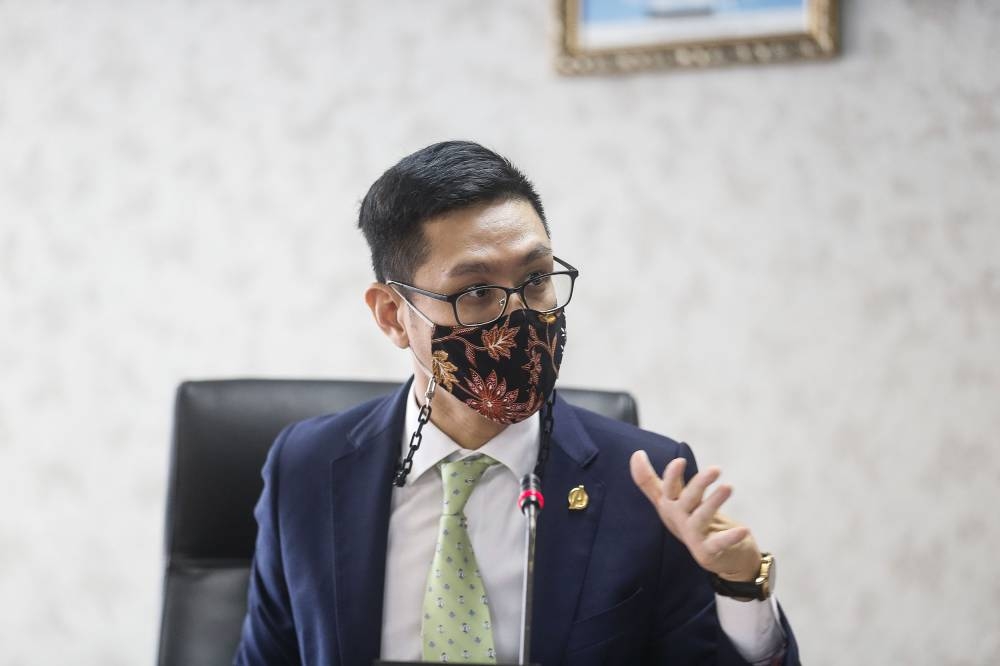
column 565, row 537
column 361, row 477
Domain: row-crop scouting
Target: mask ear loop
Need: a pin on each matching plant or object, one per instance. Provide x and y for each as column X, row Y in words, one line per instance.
column 545, row 443
column 546, row 436
column 406, row 464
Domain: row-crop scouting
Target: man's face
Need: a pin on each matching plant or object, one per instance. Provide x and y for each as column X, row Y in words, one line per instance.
column 501, row 243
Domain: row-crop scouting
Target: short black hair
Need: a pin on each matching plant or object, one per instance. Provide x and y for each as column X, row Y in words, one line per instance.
column 435, row 180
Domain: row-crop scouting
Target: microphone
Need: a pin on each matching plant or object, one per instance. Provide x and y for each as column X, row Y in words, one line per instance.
column 531, row 494
column 530, row 501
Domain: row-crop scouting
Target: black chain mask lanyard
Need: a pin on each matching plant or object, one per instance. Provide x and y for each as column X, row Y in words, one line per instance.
column 406, row 464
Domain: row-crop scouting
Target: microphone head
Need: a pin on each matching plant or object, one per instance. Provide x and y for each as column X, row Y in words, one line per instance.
column 531, row 493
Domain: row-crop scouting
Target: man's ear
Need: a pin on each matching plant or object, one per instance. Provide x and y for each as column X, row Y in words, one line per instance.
column 386, row 306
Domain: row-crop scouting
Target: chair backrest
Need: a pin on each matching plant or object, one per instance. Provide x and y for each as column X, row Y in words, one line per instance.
column 222, row 432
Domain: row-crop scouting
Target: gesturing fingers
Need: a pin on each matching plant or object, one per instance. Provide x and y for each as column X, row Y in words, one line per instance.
column 673, row 478
column 704, row 513
column 690, row 497
column 715, row 542
column 719, row 542
column 683, row 507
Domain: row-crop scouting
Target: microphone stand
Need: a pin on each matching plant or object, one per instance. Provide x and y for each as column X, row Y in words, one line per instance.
column 530, row 503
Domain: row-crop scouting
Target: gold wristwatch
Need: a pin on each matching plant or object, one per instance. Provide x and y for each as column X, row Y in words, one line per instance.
column 760, row 587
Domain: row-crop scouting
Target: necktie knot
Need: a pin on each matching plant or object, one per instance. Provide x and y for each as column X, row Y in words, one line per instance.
column 460, row 478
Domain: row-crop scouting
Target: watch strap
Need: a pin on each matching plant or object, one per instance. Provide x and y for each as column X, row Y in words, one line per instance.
column 753, row 589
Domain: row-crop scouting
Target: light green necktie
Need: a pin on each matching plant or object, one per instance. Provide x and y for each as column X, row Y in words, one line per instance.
column 456, row 625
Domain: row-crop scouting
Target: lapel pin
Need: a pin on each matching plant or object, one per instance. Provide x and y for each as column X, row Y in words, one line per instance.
column 578, row 499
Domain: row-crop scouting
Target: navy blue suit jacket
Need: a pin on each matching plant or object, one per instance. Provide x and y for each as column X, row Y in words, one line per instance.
column 612, row 586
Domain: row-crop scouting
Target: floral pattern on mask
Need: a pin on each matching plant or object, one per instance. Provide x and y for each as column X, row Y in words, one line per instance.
column 444, row 370
column 504, row 372
column 534, row 368
column 498, row 341
column 492, row 399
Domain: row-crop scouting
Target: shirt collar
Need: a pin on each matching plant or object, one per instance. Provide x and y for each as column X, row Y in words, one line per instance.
column 515, row 447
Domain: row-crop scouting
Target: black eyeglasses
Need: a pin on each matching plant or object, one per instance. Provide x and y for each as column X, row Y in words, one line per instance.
column 477, row 306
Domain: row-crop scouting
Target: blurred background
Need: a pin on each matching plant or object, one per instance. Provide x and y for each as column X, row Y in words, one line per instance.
column 795, row 268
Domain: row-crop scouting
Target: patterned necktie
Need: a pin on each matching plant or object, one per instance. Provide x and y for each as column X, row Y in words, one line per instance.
column 456, row 624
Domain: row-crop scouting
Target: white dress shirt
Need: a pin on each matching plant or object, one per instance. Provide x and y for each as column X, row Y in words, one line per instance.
column 496, row 530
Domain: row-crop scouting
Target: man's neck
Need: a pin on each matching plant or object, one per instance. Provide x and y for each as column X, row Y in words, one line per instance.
column 464, row 426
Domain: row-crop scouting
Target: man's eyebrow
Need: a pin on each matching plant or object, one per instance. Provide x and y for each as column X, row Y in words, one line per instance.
column 538, row 252
column 480, row 267
column 468, row 268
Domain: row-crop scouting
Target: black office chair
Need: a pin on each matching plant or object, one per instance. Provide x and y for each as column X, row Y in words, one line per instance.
column 222, row 432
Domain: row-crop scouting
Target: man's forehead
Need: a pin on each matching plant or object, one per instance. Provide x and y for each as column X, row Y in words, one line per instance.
column 478, row 266
column 484, row 238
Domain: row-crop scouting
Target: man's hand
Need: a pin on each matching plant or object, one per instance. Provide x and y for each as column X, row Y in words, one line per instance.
column 717, row 544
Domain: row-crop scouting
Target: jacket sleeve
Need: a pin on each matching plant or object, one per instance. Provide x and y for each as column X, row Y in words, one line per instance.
column 268, row 635
column 686, row 626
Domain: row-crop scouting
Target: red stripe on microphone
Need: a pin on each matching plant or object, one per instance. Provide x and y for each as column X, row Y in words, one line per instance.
column 531, row 494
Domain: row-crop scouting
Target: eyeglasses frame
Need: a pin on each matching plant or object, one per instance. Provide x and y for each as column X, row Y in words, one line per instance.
column 572, row 272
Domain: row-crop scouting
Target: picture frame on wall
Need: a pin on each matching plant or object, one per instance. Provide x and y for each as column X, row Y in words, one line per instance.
column 615, row 36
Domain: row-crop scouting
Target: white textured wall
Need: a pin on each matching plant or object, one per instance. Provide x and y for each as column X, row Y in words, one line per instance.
column 795, row 268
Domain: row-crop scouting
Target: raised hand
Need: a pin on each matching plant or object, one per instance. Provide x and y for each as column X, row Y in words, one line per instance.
column 717, row 544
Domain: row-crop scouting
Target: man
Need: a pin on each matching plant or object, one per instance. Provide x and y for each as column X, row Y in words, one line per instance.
column 391, row 530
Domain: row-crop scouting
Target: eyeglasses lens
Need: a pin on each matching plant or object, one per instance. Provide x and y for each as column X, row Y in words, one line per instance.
column 547, row 293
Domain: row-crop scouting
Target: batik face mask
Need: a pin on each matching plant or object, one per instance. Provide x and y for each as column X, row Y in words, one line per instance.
column 506, row 370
